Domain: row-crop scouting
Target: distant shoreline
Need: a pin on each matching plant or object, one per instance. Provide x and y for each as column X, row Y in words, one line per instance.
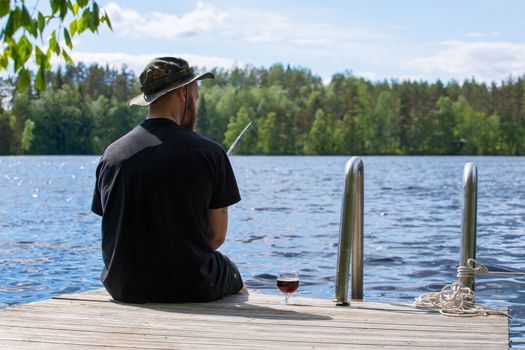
column 292, row 112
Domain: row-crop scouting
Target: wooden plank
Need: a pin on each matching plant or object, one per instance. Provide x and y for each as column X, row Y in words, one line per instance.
column 276, row 311
column 72, row 315
column 280, row 340
column 92, row 320
column 235, row 322
column 225, row 331
column 56, row 345
column 37, row 345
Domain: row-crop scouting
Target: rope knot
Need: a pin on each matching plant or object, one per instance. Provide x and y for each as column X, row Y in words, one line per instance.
column 473, row 269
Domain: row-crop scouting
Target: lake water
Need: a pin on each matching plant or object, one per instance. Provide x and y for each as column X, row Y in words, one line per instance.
column 288, row 218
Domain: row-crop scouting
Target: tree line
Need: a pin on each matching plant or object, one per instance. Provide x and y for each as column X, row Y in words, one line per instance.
column 85, row 108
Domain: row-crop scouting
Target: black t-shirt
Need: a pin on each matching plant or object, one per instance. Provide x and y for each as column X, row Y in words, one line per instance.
column 153, row 190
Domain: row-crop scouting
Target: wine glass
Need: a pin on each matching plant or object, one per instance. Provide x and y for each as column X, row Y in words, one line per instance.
column 288, row 282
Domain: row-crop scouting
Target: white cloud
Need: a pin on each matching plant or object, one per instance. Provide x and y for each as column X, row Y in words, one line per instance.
column 137, row 63
column 128, row 22
column 252, row 26
column 271, row 27
column 312, row 41
column 487, row 61
column 474, row 35
column 261, row 39
column 478, row 35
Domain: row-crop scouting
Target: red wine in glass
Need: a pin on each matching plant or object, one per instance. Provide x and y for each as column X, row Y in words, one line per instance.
column 288, row 283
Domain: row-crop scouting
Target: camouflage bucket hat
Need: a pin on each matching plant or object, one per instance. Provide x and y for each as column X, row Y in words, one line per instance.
column 162, row 75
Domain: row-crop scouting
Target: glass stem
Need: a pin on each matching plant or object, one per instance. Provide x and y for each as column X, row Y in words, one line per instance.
column 286, row 298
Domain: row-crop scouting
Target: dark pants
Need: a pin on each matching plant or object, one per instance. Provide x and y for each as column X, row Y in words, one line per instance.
column 225, row 279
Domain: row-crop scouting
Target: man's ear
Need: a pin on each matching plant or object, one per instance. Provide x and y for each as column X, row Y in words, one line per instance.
column 181, row 92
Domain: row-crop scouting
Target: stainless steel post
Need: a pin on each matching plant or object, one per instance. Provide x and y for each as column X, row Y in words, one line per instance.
column 358, row 238
column 351, row 234
column 468, row 225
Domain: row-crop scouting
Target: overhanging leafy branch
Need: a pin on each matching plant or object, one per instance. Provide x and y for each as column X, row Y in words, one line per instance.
column 25, row 35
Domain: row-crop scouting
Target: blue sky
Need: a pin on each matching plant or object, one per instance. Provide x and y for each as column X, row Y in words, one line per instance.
column 401, row 39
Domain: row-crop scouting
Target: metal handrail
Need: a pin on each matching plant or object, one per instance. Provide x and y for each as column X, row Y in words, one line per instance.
column 351, row 234
column 469, row 221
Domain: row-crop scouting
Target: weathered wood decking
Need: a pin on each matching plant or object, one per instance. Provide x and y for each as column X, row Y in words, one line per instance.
column 92, row 321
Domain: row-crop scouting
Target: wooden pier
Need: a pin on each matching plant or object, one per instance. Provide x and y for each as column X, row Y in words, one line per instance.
column 91, row 320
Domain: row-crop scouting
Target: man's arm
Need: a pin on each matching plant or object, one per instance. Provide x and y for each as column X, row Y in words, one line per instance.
column 96, row 203
column 218, row 220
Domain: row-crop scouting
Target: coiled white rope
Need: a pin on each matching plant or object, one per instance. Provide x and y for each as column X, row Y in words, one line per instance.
column 456, row 300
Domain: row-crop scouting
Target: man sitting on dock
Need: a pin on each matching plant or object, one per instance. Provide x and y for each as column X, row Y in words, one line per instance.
column 163, row 192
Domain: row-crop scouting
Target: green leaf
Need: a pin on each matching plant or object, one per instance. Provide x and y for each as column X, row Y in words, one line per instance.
column 27, row 21
column 10, row 43
column 25, row 17
column 55, row 5
column 68, row 39
column 73, row 27
column 63, row 9
column 24, row 79
column 67, row 57
column 8, row 30
column 95, row 10
column 53, row 44
column 41, row 23
column 52, row 40
column 13, row 53
column 82, row 23
column 82, row 3
column 49, row 53
column 94, row 20
column 4, row 7
column 105, row 18
column 108, row 22
column 40, row 57
column 17, row 18
column 4, row 62
column 24, row 49
column 75, row 9
column 34, row 29
column 40, row 80
column 13, row 23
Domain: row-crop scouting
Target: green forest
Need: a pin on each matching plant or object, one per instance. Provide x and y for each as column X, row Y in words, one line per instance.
column 85, row 108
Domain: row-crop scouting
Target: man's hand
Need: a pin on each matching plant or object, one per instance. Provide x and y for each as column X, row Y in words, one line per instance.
column 218, row 220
